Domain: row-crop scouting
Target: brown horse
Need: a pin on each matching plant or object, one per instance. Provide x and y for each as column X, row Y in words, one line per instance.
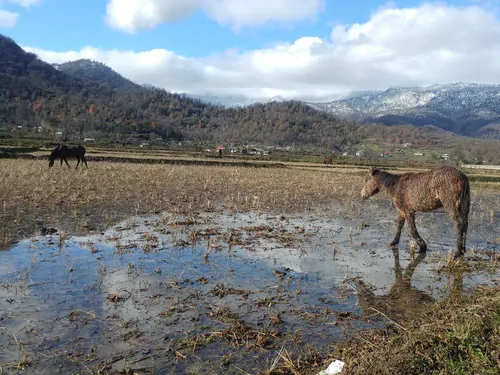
column 63, row 152
column 421, row 192
column 328, row 160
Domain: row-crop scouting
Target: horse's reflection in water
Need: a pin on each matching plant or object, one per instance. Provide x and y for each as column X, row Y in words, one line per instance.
column 403, row 300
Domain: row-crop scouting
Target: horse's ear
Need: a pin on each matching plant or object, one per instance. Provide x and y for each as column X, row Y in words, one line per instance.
column 372, row 171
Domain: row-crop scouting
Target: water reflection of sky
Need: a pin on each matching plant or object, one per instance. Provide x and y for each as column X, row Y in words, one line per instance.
column 331, row 250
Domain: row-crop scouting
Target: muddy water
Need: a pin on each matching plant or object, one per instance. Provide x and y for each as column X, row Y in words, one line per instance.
column 221, row 291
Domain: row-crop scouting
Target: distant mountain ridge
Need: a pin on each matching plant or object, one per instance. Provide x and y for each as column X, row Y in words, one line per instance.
column 97, row 72
column 85, row 98
column 88, row 96
column 470, row 109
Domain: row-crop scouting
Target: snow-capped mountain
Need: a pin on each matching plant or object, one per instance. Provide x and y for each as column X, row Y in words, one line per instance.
column 463, row 108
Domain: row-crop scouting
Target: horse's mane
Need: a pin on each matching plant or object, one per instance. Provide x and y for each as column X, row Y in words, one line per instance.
column 388, row 180
column 55, row 151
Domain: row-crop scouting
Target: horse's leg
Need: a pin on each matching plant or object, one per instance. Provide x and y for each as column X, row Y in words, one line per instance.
column 400, row 224
column 410, row 217
column 461, row 229
column 66, row 161
column 61, row 161
column 78, row 158
column 459, row 215
column 85, row 161
column 462, row 238
column 463, row 213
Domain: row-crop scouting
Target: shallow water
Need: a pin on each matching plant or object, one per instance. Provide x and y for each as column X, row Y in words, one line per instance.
column 175, row 293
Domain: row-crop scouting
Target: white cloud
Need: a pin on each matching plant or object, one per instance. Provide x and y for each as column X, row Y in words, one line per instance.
column 8, row 19
column 134, row 15
column 25, row 3
column 433, row 43
column 240, row 13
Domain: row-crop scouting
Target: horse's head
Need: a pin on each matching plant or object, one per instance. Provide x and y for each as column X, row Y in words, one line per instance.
column 53, row 156
column 371, row 184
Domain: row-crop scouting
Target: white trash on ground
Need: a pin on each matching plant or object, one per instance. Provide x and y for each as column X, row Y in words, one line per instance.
column 334, row 368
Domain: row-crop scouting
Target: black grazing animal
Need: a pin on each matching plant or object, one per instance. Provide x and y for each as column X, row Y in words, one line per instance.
column 421, row 192
column 64, row 152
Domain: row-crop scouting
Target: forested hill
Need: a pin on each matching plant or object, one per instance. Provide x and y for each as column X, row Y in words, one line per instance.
column 97, row 72
column 34, row 93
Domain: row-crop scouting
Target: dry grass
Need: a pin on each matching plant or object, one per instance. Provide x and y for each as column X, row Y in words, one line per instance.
column 159, row 186
column 461, row 336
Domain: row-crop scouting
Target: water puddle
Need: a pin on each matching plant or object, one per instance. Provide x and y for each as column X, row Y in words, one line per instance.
column 216, row 292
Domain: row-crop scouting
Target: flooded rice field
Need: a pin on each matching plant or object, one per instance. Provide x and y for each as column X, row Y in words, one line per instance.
column 222, row 291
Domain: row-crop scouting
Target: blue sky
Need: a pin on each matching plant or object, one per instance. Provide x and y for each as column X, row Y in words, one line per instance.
column 62, row 25
column 300, row 49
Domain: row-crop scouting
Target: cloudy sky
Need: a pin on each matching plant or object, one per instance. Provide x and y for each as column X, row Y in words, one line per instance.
column 303, row 49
